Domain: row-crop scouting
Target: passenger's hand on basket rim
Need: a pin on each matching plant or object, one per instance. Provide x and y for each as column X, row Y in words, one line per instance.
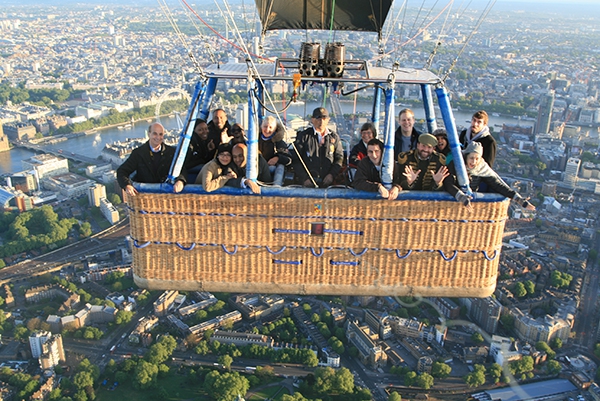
column 394, row 192
column 328, row 180
column 178, row 186
column 253, row 186
column 131, row 191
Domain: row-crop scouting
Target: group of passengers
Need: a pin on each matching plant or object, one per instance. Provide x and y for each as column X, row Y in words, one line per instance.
column 218, row 156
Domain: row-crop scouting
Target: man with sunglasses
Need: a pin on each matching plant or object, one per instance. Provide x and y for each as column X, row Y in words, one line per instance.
column 320, row 150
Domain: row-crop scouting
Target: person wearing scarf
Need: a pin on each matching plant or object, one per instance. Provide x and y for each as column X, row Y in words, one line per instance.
column 479, row 171
column 217, row 172
column 480, row 132
column 272, row 147
column 240, row 159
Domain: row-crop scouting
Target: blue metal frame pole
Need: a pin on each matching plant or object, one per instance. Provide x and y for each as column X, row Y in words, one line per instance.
column 448, row 116
column 260, row 112
column 376, row 107
column 428, row 105
column 207, row 98
column 387, row 170
column 252, row 162
column 185, row 135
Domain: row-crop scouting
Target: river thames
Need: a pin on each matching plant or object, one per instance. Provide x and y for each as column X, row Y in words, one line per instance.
column 92, row 145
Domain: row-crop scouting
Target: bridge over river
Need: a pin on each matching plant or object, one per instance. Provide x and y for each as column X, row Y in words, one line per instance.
column 67, row 155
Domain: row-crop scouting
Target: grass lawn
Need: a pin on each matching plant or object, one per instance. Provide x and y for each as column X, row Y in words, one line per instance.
column 268, row 392
column 175, row 385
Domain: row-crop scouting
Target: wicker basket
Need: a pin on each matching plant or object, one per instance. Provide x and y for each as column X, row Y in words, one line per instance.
column 323, row 246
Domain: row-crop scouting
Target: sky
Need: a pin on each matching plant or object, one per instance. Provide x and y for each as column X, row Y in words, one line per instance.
column 588, row 8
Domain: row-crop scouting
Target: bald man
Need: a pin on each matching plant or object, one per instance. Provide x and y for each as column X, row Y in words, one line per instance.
column 150, row 162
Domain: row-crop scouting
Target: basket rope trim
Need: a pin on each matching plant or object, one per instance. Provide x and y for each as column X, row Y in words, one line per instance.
column 318, row 252
column 312, row 217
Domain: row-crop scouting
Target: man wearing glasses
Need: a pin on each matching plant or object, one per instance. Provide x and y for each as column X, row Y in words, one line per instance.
column 318, row 152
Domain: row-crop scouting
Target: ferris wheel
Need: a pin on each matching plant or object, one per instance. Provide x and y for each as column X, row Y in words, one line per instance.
column 167, row 96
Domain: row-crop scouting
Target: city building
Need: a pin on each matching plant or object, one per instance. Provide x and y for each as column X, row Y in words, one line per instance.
column 95, row 193
column 219, row 321
column 46, row 165
column 19, row 131
column 542, row 125
column 193, row 308
column 36, row 339
column 24, row 181
column 405, row 327
column 549, row 188
column 447, row 307
column 572, row 171
column 14, row 200
column 68, row 184
column 109, row 211
column 241, row 339
column 543, row 329
column 4, row 144
column 253, row 306
column 369, row 353
column 48, row 348
column 484, row 311
column 54, row 353
column 164, row 302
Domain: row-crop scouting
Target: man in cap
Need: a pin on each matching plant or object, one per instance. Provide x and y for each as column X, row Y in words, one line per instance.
column 318, row 152
column 150, row 162
column 423, row 168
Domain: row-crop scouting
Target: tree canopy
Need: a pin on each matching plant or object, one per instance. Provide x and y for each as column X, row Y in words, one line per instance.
column 34, row 229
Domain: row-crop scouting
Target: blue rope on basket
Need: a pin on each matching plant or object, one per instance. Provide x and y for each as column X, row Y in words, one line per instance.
column 359, row 253
column 406, row 255
column 283, row 248
column 448, row 259
column 235, row 249
column 186, row 248
column 490, row 258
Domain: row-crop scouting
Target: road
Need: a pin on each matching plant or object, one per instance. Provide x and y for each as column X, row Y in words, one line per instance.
column 586, row 325
column 103, row 241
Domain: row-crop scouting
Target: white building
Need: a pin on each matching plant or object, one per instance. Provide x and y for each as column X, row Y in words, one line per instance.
column 69, row 184
column 109, row 211
column 572, row 170
column 95, row 193
column 36, row 340
column 46, row 165
column 54, row 352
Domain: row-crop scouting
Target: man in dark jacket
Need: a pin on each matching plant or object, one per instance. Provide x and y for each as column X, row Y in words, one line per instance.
column 219, row 127
column 151, row 163
column 368, row 173
column 480, row 132
column 423, row 168
column 320, row 150
column 406, row 135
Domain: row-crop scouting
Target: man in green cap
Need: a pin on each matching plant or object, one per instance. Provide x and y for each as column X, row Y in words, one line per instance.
column 423, row 168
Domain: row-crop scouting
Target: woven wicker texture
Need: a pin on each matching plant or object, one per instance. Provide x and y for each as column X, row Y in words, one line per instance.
column 270, row 245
